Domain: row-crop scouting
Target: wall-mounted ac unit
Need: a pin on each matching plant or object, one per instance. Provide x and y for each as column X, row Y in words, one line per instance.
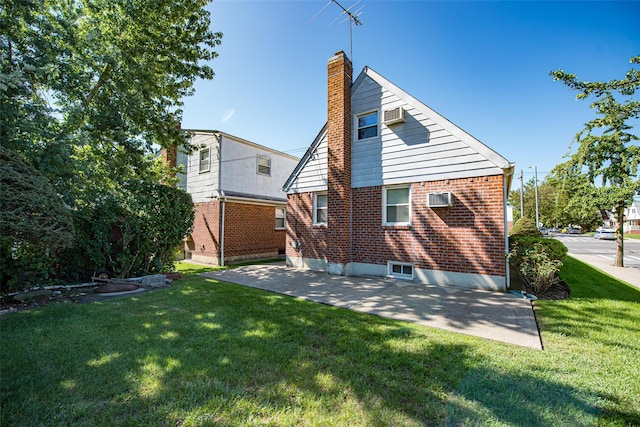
column 393, row 116
column 439, row 200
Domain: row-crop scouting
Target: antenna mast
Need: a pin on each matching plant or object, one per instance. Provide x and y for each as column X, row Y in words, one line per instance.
column 353, row 20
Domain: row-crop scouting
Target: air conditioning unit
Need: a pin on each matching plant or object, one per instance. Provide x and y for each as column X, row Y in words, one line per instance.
column 439, row 200
column 393, row 116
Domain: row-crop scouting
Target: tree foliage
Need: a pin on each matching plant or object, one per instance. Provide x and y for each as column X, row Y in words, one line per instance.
column 525, row 227
column 87, row 89
column 105, row 74
column 34, row 222
column 132, row 232
column 607, row 150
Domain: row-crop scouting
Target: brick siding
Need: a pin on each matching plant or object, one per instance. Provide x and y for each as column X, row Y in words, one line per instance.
column 312, row 239
column 205, row 236
column 466, row 238
column 250, row 229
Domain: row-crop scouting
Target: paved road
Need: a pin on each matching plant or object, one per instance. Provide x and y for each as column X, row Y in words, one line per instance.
column 605, row 249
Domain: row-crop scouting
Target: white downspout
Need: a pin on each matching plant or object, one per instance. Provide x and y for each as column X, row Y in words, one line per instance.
column 223, row 200
column 222, row 197
column 508, row 172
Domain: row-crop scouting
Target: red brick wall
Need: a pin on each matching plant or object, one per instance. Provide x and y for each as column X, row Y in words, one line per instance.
column 313, row 242
column 206, row 229
column 250, row 229
column 466, row 238
column 339, row 158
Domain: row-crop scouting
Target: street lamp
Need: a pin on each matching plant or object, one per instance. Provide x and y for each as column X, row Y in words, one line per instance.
column 535, row 183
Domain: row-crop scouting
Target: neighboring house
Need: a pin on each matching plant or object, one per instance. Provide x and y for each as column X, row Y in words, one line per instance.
column 391, row 188
column 236, row 187
column 632, row 218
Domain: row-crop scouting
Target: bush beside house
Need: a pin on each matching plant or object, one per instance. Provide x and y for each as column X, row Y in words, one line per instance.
column 535, row 259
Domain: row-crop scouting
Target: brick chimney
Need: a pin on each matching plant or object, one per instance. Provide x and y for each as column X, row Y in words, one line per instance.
column 340, row 72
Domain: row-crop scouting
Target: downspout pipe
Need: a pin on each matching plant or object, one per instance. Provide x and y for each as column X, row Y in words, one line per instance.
column 222, row 197
column 506, row 182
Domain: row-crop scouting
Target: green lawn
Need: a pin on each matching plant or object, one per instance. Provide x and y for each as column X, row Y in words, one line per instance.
column 206, row 352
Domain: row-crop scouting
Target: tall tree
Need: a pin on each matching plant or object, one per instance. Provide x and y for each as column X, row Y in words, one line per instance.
column 606, row 146
column 89, row 87
column 103, row 79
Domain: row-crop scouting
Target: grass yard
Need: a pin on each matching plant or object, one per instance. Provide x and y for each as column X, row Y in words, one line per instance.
column 211, row 353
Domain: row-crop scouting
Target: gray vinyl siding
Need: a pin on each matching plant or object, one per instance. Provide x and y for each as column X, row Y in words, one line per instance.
column 417, row 150
column 202, row 186
column 313, row 176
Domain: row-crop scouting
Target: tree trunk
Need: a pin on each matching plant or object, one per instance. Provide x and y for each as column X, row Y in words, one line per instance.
column 620, row 236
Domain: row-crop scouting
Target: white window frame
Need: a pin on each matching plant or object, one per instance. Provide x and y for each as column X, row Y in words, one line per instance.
column 315, row 207
column 384, row 204
column 207, row 166
column 357, row 127
column 401, row 275
column 281, row 213
column 268, row 161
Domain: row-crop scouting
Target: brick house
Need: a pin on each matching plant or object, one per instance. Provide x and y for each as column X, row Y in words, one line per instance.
column 391, row 188
column 236, row 187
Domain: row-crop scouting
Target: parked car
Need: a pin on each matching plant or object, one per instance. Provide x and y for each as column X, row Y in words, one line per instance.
column 554, row 230
column 605, row 234
column 573, row 230
column 544, row 231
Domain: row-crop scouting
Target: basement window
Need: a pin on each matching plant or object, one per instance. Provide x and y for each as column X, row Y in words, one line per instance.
column 367, row 125
column 400, row 270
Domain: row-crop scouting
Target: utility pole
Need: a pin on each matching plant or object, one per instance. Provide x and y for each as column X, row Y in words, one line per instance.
column 521, row 195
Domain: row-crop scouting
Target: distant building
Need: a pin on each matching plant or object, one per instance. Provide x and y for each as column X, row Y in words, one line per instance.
column 236, row 187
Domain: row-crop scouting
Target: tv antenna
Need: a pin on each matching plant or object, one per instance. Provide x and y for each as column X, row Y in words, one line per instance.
column 349, row 14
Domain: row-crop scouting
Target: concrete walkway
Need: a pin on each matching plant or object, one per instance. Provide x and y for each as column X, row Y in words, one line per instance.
column 491, row 315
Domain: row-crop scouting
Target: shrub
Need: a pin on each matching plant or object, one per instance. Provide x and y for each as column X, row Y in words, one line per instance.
column 538, row 260
column 34, row 224
column 539, row 272
column 132, row 232
column 555, row 249
column 525, row 227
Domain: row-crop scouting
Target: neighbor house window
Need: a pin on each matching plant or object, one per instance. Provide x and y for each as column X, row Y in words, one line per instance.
column 205, row 160
column 281, row 218
column 396, row 205
column 367, row 125
column 320, row 208
column 264, row 165
column 400, row 270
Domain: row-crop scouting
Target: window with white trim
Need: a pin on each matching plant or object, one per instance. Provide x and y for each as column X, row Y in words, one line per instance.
column 396, row 203
column 400, row 270
column 205, row 160
column 264, row 165
column 319, row 208
column 367, row 125
column 281, row 218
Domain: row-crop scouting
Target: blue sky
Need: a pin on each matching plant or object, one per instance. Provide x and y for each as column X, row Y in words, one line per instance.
column 483, row 65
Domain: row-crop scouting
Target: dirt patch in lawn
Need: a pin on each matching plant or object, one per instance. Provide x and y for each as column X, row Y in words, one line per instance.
column 76, row 294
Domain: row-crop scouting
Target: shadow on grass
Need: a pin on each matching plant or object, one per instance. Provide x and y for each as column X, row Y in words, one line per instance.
column 490, row 395
column 586, row 281
column 211, row 353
